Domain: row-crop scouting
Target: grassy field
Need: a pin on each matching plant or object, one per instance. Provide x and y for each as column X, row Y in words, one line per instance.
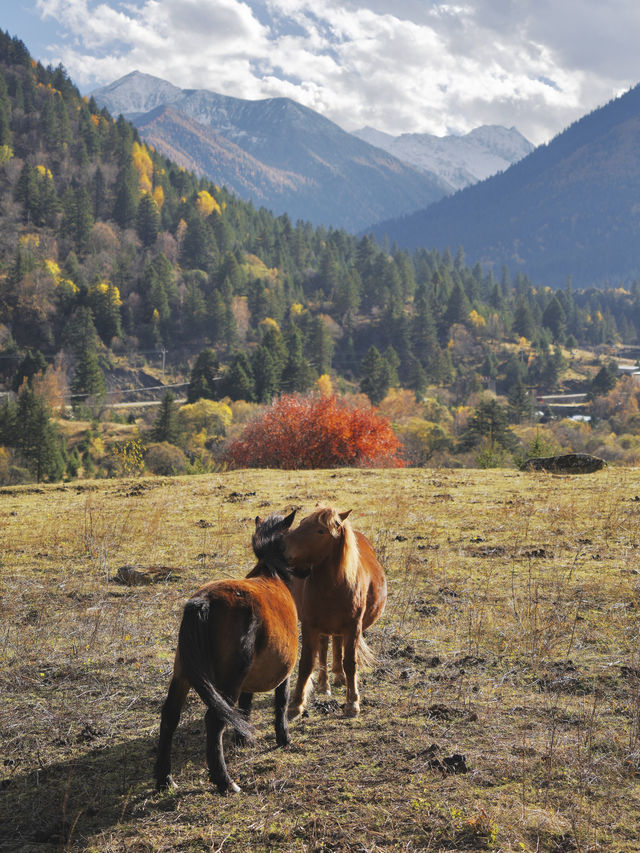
column 503, row 712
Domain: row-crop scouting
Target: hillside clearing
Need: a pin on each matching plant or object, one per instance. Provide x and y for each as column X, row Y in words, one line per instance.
column 503, row 712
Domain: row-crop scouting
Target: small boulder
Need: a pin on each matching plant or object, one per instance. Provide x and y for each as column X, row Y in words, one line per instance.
column 566, row 463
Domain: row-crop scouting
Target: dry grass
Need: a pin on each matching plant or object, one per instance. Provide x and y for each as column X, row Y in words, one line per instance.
column 510, row 637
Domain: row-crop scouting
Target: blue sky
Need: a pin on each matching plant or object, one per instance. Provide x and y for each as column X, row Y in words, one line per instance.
column 406, row 66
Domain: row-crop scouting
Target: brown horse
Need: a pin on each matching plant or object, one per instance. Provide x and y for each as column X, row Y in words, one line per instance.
column 345, row 593
column 237, row 637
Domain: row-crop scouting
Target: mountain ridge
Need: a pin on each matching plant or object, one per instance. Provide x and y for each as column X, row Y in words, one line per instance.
column 459, row 160
column 567, row 210
column 339, row 180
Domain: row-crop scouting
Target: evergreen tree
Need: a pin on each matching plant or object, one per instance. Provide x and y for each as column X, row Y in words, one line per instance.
column 80, row 334
column 31, row 364
column 423, row 329
column 265, row 374
column 604, row 380
column 36, row 437
column 520, row 403
column 319, row 345
column 238, row 381
column 166, row 426
column 204, row 377
column 375, row 376
column 458, row 307
column 554, row 318
column 88, row 380
column 147, row 220
column 489, row 421
column 198, row 246
column 297, row 375
column 126, row 200
column 523, row 322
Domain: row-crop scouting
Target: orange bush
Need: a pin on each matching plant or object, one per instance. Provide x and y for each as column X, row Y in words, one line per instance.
column 316, row 432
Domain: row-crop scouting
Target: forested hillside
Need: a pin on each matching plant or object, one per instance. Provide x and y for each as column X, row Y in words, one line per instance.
column 109, row 253
column 567, row 209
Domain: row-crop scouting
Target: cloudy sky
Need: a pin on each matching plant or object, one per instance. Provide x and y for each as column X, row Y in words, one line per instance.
column 401, row 66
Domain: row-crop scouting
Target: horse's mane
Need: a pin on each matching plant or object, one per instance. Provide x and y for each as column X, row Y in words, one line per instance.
column 349, row 552
column 268, row 546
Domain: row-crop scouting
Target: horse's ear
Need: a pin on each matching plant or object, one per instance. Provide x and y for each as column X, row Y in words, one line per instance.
column 345, row 515
column 288, row 521
column 258, row 521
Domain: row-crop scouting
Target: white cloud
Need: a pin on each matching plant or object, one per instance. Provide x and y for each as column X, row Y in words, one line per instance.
column 415, row 65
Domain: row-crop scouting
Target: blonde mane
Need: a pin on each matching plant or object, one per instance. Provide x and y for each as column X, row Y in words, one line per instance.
column 349, row 552
column 350, row 557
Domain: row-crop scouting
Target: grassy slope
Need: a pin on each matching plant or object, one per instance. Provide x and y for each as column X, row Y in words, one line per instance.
column 510, row 636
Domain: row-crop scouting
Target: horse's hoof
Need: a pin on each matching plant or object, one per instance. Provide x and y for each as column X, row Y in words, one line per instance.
column 294, row 711
column 229, row 788
column 339, row 681
column 324, row 688
column 351, row 709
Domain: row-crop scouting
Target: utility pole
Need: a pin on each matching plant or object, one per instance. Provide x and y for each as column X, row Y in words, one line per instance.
column 164, row 352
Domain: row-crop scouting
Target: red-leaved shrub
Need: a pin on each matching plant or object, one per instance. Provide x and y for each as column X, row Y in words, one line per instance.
column 316, row 432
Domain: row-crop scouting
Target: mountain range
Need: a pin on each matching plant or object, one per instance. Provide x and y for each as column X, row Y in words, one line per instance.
column 568, row 210
column 288, row 158
column 274, row 152
column 458, row 160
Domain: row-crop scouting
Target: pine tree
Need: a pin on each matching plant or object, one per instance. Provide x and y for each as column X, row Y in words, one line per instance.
column 319, row 345
column 126, row 202
column 88, row 380
column 375, row 376
column 36, row 437
column 523, row 322
column 297, row 375
column 31, row 364
column 458, row 307
column 238, row 381
column 204, row 377
column 520, row 403
column 554, row 318
column 266, row 375
column 489, row 421
column 166, row 426
column 147, row 220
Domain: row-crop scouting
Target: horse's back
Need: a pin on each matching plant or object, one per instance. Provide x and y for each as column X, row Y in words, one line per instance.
column 259, row 615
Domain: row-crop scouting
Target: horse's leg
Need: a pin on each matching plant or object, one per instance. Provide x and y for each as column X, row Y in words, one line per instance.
column 169, row 719
column 215, row 754
column 336, row 667
column 322, row 683
column 298, row 701
column 351, row 640
column 244, row 703
column 282, row 723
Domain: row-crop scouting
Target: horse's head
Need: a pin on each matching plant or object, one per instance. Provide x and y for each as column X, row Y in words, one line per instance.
column 268, row 537
column 317, row 537
column 269, row 546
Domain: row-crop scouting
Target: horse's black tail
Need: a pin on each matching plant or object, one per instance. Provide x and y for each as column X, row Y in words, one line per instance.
column 194, row 646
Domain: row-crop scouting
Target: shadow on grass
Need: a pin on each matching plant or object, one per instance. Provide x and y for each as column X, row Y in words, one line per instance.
column 63, row 804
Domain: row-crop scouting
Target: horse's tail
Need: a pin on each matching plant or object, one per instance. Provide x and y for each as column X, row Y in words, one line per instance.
column 365, row 656
column 194, row 646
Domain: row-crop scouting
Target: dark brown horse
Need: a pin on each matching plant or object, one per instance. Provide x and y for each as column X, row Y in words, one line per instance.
column 237, row 637
column 345, row 593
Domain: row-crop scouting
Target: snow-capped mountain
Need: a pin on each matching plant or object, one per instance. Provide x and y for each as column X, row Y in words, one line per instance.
column 298, row 162
column 458, row 160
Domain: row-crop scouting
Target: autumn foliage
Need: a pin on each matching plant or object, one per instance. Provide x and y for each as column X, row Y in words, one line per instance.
column 316, row 432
